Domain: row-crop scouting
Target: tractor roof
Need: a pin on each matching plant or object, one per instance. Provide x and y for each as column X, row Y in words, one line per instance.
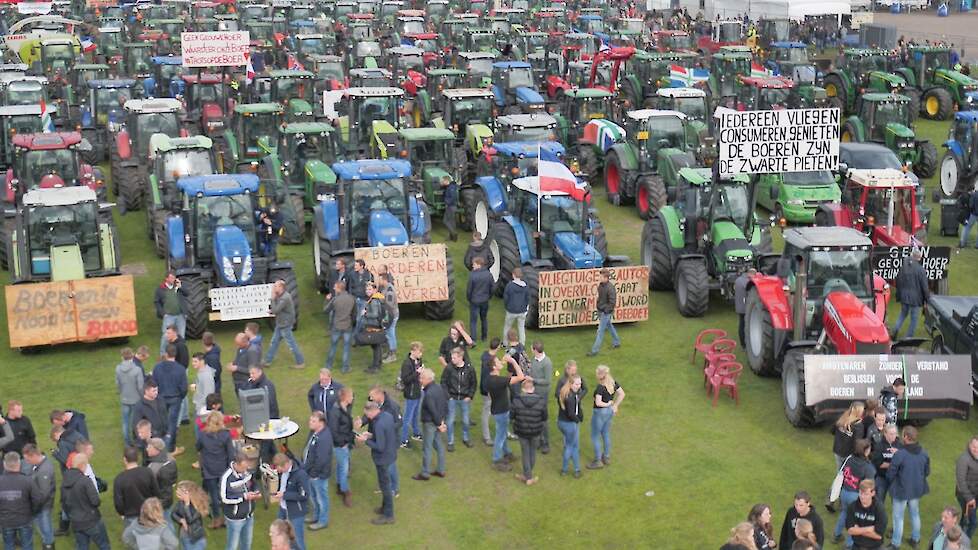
column 774, row 82
column 929, row 49
column 372, row 169
column 506, row 65
column 59, row 196
column 258, row 108
column 527, row 149
column 301, row 37
column 161, row 105
column 590, row 17
column 370, row 72
column 865, row 52
column 644, row 55
column 10, row 78
column 47, row 142
column 788, row 45
column 885, row 98
column 216, row 185
column 811, row 237
column 447, row 72
column 670, row 32
column 161, row 143
column 375, row 92
column 284, row 73
column 883, row 178
column 405, row 50
column 427, row 134
column 111, row 84
column 307, row 128
column 680, row 92
column 14, row 67
column 579, row 36
column 89, row 67
column 704, row 176
column 18, row 110
column 969, row 116
column 476, row 55
column 466, row 93
column 541, row 120
column 588, row 93
column 203, row 78
column 643, row 114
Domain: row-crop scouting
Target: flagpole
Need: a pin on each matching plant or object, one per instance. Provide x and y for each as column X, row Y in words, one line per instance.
column 539, row 186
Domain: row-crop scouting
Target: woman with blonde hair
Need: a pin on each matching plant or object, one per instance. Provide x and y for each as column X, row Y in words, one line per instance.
column 847, row 429
column 282, row 535
column 741, row 538
column 150, row 531
column 804, row 530
column 569, row 419
column 215, row 450
column 608, row 396
column 188, row 514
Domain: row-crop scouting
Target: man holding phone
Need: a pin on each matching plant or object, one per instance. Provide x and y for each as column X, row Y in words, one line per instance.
column 171, row 307
column 238, row 493
column 383, row 449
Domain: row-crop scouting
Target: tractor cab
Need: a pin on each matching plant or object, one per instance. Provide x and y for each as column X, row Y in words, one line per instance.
column 307, row 45
column 481, row 40
column 479, row 67
column 651, row 131
column 858, row 69
column 431, row 152
column 726, row 67
column 883, row 205
column 673, row 41
column 770, row 31
column 329, row 69
column 578, row 107
column 253, row 132
column 109, row 46
column 369, row 116
column 166, row 81
column 591, row 24
column 145, row 117
column 175, row 158
column 783, row 57
column 254, row 12
column 49, row 160
column 722, row 33
column 960, row 162
column 549, row 21
column 83, row 72
column 514, row 87
column 305, row 152
column 294, row 90
column 137, row 57
column 559, row 222
column 411, row 25
column 764, row 93
column 533, row 128
column 583, row 44
column 106, row 101
column 470, row 114
column 406, row 64
column 429, row 46
column 647, row 71
column 506, row 161
column 438, row 11
column 439, row 80
column 689, row 101
column 57, row 55
column 23, row 90
column 17, row 119
column 371, row 78
column 365, row 53
column 206, row 97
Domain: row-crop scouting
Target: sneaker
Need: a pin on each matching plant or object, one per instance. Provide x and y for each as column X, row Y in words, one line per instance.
column 508, row 457
column 521, row 477
column 310, row 520
column 404, row 444
column 532, row 481
column 511, row 437
column 545, row 450
column 451, row 447
column 391, row 357
column 616, row 346
column 420, row 477
column 606, row 460
column 299, row 366
column 830, row 506
column 577, row 474
column 417, row 438
column 487, row 442
column 837, row 539
column 439, row 474
column 563, row 473
column 317, row 526
column 502, row 466
column 914, row 544
column 467, row 443
column 595, row 465
column 592, row 353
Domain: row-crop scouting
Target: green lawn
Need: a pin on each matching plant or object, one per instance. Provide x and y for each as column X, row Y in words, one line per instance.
column 703, row 467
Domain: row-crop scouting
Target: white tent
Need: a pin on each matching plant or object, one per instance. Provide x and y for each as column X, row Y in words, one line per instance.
column 781, row 9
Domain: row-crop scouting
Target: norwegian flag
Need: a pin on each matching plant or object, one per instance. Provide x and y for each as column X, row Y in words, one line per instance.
column 294, row 64
column 758, row 71
column 249, row 70
column 681, row 77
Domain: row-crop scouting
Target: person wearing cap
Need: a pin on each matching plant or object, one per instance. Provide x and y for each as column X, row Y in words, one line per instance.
column 912, row 291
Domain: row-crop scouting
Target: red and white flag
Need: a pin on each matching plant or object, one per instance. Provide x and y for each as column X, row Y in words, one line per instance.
column 556, row 176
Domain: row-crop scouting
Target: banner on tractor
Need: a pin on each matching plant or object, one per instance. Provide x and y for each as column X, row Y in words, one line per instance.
column 85, row 310
column 938, row 386
column 775, row 142
column 420, row 270
column 235, row 303
column 568, row 298
column 887, row 261
column 214, row 48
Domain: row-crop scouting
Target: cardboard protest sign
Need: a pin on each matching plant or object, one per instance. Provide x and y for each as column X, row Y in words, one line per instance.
column 234, row 303
column 787, row 140
column 70, row 311
column 887, row 261
column 420, row 270
column 214, row 48
column 569, row 298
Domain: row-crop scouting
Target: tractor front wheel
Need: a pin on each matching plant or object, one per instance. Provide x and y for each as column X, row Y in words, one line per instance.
column 465, row 196
column 914, row 107
column 129, row 187
column 532, row 280
column 655, row 254
column 793, row 389
column 157, row 223
column 926, row 163
column 322, row 261
column 692, row 287
column 759, row 333
column 508, row 256
column 443, row 309
column 198, row 304
column 589, row 162
column 937, row 104
column 849, row 132
column 651, row 196
column 294, row 219
column 835, row 89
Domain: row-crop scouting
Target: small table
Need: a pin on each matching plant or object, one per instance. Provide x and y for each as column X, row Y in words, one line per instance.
column 277, row 429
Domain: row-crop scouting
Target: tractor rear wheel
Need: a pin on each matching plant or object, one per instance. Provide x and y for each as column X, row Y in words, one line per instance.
column 532, row 280
column 94, row 155
column 655, row 254
column 651, row 196
column 158, row 229
column 465, row 196
column 443, row 309
column 589, row 162
column 926, row 163
column 294, row 219
column 759, row 333
column 835, row 89
column 6, row 231
column 478, row 212
column 914, row 106
column 508, row 257
column 322, row 261
column 287, row 274
column 612, row 179
column 793, row 389
column 130, row 187
column 198, row 304
column 849, row 132
column 692, row 287
column 950, row 174
column 937, row 104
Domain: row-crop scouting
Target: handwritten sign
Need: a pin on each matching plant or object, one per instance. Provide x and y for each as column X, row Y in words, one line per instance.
column 420, row 270
column 235, row 303
column 569, row 298
column 887, row 261
column 777, row 141
column 70, row 311
column 214, row 49
column 101, row 3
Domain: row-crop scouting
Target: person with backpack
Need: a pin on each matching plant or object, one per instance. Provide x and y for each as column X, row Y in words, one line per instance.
column 375, row 319
column 967, row 216
column 855, row 468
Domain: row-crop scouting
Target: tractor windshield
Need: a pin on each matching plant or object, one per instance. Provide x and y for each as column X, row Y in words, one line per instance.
column 589, row 109
column 472, row 110
column 312, row 46
column 410, row 62
column 379, row 108
column 679, row 42
column 157, row 123
column 839, row 270
column 167, row 72
column 110, row 98
column 226, row 210
column 24, row 93
column 734, row 205
column 307, row 147
column 814, row 178
column 875, row 158
column 870, row 63
column 437, row 10
column 58, row 56
column 208, row 93
column 367, row 49
column 481, row 67
column 666, row 132
column 56, row 225
column 729, row 32
column 432, row 151
column 559, row 214
column 692, row 107
column 795, row 56
column 369, row 195
column 521, row 77
column 892, row 112
column 330, row 69
column 261, row 125
column 936, row 60
column 891, row 207
column 39, row 164
column 412, row 27
column 427, row 45
column 24, row 124
column 292, row 88
column 772, row 98
column 187, row 162
column 483, row 42
column 527, row 133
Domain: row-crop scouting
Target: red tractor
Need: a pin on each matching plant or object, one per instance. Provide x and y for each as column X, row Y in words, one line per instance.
column 763, row 93
column 616, row 56
column 821, row 297
column 673, row 41
column 49, row 160
column 882, row 204
column 722, row 33
column 207, row 103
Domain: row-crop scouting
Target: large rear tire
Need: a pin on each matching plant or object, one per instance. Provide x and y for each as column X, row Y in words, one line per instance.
column 443, row 309
column 6, row 230
column 656, row 255
column 130, row 187
column 793, row 389
column 322, row 261
column 612, row 179
column 651, row 196
column 937, row 104
column 509, row 254
column 926, row 159
column 478, row 212
column 294, row 216
column 287, row 274
column 158, row 229
column 532, row 280
column 94, row 155
column 834, row 88
column 849, row 132
column 465, row 196
column 692, row 287
column 759, row 333
column 198, row 304
column 589, row 162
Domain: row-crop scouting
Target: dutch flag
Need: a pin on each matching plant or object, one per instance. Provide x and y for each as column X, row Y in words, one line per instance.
column 555, row 176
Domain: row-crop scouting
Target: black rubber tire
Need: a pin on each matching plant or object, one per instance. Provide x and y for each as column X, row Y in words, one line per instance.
column 130, row 187
column 926, row 159
column 509, row 254
column 937, row 345
column 611, row 163
column 840, row 88
column 287, row 274
column 198, row 304
column 692, row 287
column 294, row 220
column 793, row 389
column 443, row 309
column 849, row 129
column 759, row 336
column 158, row 229
column 945, row 105
column 322, row 260
column 476, row 197
column 655, row 190
column 914, row 107
column 465, row 196
column 6, row 231
column 95, row 155
column 656, row 255
column 766, row 245
column 836, row 103
column 589, row 162
column 532, row 280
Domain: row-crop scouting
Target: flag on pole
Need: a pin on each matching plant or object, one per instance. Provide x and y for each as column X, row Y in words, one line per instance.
column 88, row 45
column 250, row 70
column 294, row 64
column 555, row 176
column 47, row 124
column 681, row 77
column 758, row 71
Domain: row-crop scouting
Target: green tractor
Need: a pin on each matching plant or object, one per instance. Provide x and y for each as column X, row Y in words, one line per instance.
column 886, row 119
column 294, row 90
column 479, row 67
column 17, row 119
column 693, row 103
column 252, row 134
column 940, row 87
column 370, row 118
column 857, row 71
column 704, row 240
column 469, row 114
column 431, row 152
column 130, row 144
column 647, row 71
column 727, row 67
column 575, row 108
column 101, row 112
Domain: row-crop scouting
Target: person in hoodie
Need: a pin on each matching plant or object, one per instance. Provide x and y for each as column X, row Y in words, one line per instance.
column 478, row 248
column 216, row 450
column 458, row 379
column 375, row 317
column 802, row 509
column 478, row 293
column 855, row 468
column 239, row 491
column 516, row 300
column 913, row 291
column 81, row 503
column 882, row 456
column 890, row 397
column 966, row 485
column 529, row 410
column 150, row 531
column 164, row 469
column 151, row 408
column 19, row 500
column 170, row 301
column 129, row 380
column 907, row 477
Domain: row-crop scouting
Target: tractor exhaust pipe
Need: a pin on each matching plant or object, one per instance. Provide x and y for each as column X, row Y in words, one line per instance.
column 798, row 305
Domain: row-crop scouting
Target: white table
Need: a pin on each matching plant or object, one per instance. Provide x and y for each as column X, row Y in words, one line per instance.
column 277, row 430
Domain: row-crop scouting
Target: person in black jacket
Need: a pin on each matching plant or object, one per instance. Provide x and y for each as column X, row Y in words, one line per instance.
column 257, row 381
column 607, row 298
column 912, row 291
column 21, row 426
column 151, row 408
column 41, row 471
column 132, row 487
column 164, row 468
column 317, row 461
column 82, row 505
column 802, row 509
column 170, row 301
column 478, row 292
column 171, row 380
column 865, row 518
column 382, row 441
column 215, row 451
column 188, row 515
column 855, row 469
column 478, row 248
column 458, row 379
column 569, row 418
column 238, row 493
column 434, row 412
column 340, row 420
column 488, row 360
column 19, row 501
column 882, row 456
column 375, row 316
column 322, row 394
column 410, row 369
column 972, row 218
column 292, row 496
column 529, row 411
column 516, row 300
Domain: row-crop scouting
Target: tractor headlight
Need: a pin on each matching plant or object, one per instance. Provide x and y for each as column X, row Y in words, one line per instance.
column 228, row 268
column 246, row 269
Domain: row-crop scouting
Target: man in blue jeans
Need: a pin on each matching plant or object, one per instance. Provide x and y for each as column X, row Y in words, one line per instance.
column 283, row 309
column 41, row 471
column 972, row 205
column 238, row 493
column 912, row 291
column 478, row 293
column 342, row 311
column 498, row 387
column 385, row 284
column 458, row 379
column 171, row 378
column 907, row 476
column 317, row 461
column 607, row 297
column 434, row 411
column 340, row 420
column 170, row 301
column 292, row 496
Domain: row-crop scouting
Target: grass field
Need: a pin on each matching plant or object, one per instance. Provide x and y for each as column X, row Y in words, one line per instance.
column 703, row 467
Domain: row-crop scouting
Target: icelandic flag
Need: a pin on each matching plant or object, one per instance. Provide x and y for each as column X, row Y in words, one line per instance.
column 250, row 70
column 681, row 77
column 294, row 64
column 555, row 176
column 88, row 45
column 758, row 71
column 47, row 124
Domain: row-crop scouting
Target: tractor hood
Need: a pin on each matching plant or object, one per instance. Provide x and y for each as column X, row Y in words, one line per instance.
column 435, row 174
column 899, row 130
column 956, row 77
column 732, row 247
column 528, row 96
column 846, row 316
column 320, row 172
column 232, row 255
column 386, row 230
column 578, row 253
column 300, row 107
column 528, row 149
column 893, row 79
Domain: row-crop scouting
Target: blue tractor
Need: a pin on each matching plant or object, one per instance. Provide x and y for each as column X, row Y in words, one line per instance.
column 221, row 254
column 165, row 80
column 514, row 88
column 542, row 231
column 369, row 206
column 959, row 167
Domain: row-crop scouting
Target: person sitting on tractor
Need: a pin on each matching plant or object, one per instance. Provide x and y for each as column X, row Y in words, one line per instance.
column 270, row 223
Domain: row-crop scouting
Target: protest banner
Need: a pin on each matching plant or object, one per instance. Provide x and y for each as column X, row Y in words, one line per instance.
column 887, row 260
column 420, row 270
column 569, row 298
column 234, row 303
column 214, row 48
column 787, row 140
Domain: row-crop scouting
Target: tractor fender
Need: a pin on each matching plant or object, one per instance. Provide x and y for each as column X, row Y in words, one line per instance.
column 232, row 146
column 955, row 147
column 671, row 219
column 556, row 84
column 627, row 158
column 175, row 237
column 420, row 217
column 318, row 171
column 327, row 219
column 495, row 194
column 475, row 136
column 602, row 134
column 528, row 96
column 837, row 214
column 860, row 128
column 691, row 256
column 122, row 144
column 522, row 239
column 498, row 95
column 770, row 290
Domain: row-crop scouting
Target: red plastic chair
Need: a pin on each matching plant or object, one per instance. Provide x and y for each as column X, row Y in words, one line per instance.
column 721, row 346
column 713, row 360
column 725, row 378
column 702, row 345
